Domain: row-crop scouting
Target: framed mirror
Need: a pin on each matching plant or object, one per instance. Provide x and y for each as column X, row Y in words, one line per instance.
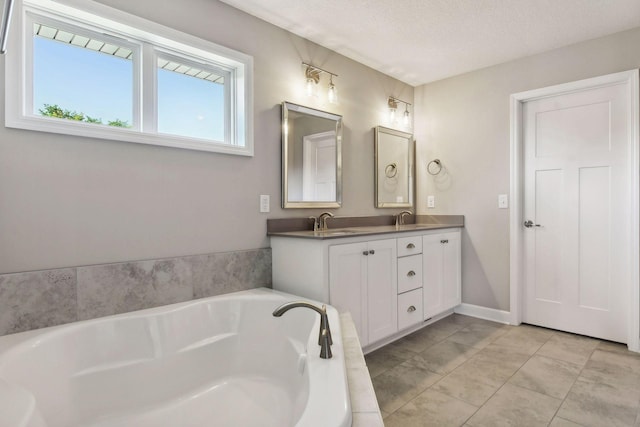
column 394, row 162
column 311, row 158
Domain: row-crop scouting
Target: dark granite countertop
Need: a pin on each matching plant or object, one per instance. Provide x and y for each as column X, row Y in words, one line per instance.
column 360, row 226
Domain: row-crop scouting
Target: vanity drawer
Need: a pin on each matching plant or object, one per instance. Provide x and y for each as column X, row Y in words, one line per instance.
column 409, row 273
column 409, row 245
column 409, row 309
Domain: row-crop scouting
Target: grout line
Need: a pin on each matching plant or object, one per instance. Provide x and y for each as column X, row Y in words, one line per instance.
column 574, row 381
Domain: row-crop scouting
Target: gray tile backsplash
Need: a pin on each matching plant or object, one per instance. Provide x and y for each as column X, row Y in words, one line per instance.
column 39, row 299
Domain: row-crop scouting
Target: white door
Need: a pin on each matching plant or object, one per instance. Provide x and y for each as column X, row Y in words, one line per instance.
column 348, row 283
column 577, row 205
column 319, row 167
column 382, row 289
column 441, row 272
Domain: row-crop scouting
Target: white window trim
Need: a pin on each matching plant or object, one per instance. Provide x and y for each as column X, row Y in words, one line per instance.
column 239, row 128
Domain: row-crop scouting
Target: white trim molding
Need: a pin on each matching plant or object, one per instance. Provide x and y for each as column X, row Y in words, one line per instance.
column 485, row 313
column 516, row 252
column 148, row 41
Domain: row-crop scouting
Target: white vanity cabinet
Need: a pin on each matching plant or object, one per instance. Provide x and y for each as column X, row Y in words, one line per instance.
column 362, row 280
column 441, row 255
column 390, row 283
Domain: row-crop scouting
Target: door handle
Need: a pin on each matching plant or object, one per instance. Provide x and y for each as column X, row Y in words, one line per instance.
column 444, row 241
column 372, row 252
column 365, row 252
column 411, row 308
column 411, row 246
column 528, row 223
column 411, row 273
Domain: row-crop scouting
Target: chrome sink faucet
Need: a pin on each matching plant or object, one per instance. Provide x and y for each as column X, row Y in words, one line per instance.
column 324, row 337
column 316, row 224
column 400, row 217
column 322, row 219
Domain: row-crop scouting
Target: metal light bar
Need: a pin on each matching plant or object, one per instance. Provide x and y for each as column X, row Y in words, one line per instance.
column 313, row 67
column 399, row 100
column 4, row 26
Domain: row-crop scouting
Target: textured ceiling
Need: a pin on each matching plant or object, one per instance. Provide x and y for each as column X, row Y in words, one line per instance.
column 420, row 41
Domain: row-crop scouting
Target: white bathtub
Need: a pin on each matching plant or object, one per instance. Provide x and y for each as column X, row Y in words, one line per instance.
column 221, row 361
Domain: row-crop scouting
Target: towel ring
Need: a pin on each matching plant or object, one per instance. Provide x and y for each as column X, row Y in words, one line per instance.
column 436, row 169
column 391, row 170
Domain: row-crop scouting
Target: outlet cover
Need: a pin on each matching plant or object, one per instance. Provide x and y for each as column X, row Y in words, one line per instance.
column 431, row 202
column 264, row 203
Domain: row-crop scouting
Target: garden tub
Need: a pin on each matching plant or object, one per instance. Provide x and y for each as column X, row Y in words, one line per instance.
column 220, row 361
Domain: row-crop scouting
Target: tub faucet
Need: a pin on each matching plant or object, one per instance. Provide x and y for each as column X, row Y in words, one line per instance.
column 324, row 338
column 322, row 219
column 400, row 217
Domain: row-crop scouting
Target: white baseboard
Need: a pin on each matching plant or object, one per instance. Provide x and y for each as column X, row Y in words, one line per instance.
column 485, row 313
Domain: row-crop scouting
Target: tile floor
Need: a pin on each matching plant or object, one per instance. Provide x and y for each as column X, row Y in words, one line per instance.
column 466, row 371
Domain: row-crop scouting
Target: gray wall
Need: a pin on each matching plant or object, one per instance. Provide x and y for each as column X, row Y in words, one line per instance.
column 464, row 121
column 71, row 201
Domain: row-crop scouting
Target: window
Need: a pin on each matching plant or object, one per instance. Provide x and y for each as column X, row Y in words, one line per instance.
column 102, row 73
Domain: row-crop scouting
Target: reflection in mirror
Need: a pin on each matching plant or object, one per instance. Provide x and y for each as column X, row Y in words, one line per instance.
column 311, row 158
column 394, row 168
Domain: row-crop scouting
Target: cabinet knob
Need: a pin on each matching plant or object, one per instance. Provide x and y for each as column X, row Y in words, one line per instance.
column 444, row 241
column 411, row 246
column 372, row 252
column 365, row 252
column 411, row 309
column 411, row 273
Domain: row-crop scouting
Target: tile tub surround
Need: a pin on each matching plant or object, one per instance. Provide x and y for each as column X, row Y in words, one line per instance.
column 39, row 299
column 462, row 371
column 364, row 406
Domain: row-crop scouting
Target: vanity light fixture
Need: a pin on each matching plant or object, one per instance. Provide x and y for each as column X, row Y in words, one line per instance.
column 392, row 103
column 393, row 106
column 312, row 75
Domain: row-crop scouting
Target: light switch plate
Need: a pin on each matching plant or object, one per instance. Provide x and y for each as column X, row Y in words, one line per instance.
column 264, row 203
column 503, row 201
column 431, row 202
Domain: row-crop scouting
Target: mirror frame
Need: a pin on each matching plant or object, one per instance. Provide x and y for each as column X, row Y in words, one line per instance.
column 286, row 203
column 410, row 169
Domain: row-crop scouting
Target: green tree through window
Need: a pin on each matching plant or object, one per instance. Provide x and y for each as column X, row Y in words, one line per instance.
column 58, row 112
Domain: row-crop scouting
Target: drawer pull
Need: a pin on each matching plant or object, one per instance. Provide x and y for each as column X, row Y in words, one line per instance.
column 444, row 241
column 411, row 246
column 372, row 252
column 411, row 309
column 411, row 273
column 365, row 252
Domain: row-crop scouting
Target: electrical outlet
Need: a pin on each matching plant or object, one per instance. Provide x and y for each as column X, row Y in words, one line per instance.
column 431, row 202
column 264, row 203
column 503, row 201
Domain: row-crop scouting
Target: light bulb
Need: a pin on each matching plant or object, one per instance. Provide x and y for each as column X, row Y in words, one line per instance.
column 310, row 86
column 392, row 115
column 405, row 120
column 333, row 93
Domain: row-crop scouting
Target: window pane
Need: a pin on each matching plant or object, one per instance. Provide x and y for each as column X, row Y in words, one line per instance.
column 190, row 101
column 81, row 78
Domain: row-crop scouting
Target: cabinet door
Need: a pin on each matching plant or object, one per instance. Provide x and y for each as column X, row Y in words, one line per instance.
column 432, row 259
column 348, row 283
column 441, row 272
column 451, row 283
column 382, row 289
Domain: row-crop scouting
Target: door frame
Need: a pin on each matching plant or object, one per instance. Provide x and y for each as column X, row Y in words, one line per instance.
column 516, row 239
